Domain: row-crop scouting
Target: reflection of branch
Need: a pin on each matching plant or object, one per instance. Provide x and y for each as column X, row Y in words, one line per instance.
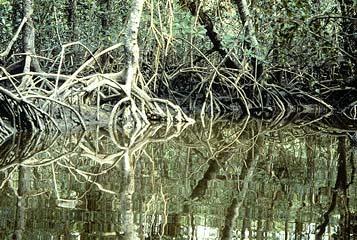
column 229, row 221
column 126, row 195
column 101, row 159
column 223, row 152
column 145, row 135
column 137, row 141
column 87, row 176
column 57, row 139
column 326, row 217
column 353, row 167
column 9, row 175
column 22, row 147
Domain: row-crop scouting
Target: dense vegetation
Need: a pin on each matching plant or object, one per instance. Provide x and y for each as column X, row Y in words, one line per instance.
column 70, row 59
column 125, row 64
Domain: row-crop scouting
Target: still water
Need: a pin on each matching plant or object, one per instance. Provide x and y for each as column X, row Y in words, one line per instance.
column 217, row 180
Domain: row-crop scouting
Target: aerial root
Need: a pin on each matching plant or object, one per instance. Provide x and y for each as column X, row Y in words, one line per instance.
column 133, row 112
column 52, row 100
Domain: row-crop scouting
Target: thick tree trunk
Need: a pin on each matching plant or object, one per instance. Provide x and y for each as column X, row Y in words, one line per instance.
column 29, row 42
column 131, row 45
column 29, row 35
column 253, row 44
column 246, row 20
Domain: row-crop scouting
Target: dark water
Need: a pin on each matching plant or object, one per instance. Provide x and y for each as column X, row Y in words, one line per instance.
column 222, row 181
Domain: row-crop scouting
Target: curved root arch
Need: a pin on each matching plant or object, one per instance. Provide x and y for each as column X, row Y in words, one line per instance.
column 18, row 114
column 133, row 111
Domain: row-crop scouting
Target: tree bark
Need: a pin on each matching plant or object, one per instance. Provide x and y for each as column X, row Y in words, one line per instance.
column 253, row 44
column 246, row 20
column 29, row 42
column 105, row 8
column 131, row 45
column 349, row 38
column 29, row 34
column 72, row 18
column 208, row 24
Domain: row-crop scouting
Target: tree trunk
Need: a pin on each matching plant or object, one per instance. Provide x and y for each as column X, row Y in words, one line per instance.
column 131, row 45
column 349, row 40
column 246, row 20
column 72, row 18
column 29, row 42
column 211, row 33
column 253, row 44
column 29, row 35
column 105, row 8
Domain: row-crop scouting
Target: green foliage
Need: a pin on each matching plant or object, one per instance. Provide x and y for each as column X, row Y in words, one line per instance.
column 290, row 33
column 6, row 27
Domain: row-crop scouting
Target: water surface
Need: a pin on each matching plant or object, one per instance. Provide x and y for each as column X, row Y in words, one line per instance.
column 224, row 180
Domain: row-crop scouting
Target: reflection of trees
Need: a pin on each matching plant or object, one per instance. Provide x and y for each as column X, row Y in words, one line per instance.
column 291, row 174
column 245, row 176
column 126, row 196
column 77, row 171
column 23, row 146
column 23, row 189
column 236, row 179
column 133, row 148
column 339, row 197
column 223, row 146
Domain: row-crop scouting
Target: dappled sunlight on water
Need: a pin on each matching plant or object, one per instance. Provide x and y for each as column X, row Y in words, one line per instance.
column 229, row 180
